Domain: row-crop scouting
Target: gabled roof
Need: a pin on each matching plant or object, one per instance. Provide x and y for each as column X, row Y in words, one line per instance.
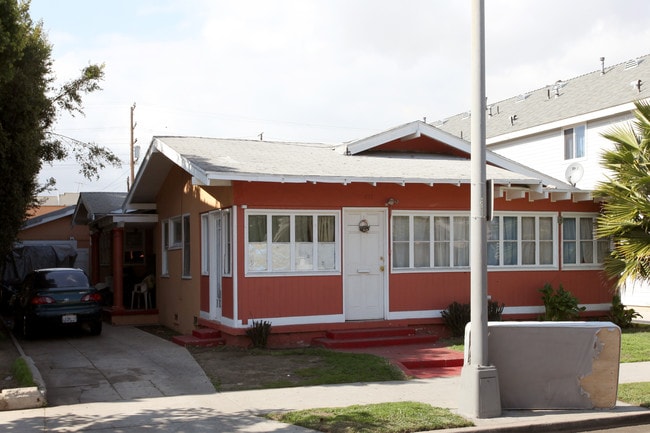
column 412, row 153
column 48, row 217
column 94, row 205
column 604, row 92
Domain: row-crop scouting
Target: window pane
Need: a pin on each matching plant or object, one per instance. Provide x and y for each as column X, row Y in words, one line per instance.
column 510, row 253
column 400, row 254
column 546, row 253
column 586, row 238
column 326, row 229
column 442, row 246
column 569, row 252
column 257, row 228
column 421, row 228
column 326, row 256
column 422, row 254
column 579, row 141
column 304, row 228
column 257, row 258
column 400, row 228
column 280, row 257
column 281, row 229
column 493, row 242
column 461, row 241
column 304, row 256
column 546, row 228
column 568, row 143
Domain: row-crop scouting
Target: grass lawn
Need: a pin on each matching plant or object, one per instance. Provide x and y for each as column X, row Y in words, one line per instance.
column 635, row 344
column 637, row 394
column 402, row 417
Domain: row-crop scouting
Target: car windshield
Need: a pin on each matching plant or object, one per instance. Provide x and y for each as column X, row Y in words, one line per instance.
column 61, row 280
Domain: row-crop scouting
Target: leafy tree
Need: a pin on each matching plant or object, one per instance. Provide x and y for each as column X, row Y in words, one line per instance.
column 29, row 105
column 626, row 194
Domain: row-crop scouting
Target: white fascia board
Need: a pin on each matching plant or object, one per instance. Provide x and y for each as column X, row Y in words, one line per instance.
column 582, row 118
column 382, row 138
column 180, row 161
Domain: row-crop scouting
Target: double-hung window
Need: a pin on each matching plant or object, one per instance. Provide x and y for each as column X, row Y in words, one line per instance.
column 521, row 240
column 292, row 241
column 574, row 142
column 580, row 246
column 426, row 240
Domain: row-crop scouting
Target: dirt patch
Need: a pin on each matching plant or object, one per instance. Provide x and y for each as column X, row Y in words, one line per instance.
column 236, row 369
column 232, row 369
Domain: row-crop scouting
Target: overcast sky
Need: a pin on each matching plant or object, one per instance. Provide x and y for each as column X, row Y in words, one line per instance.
column 314, row 71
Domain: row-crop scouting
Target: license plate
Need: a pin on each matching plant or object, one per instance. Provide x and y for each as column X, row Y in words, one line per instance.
column 69, row 318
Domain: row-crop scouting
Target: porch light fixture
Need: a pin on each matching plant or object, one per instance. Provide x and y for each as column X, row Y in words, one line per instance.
column 391, row 201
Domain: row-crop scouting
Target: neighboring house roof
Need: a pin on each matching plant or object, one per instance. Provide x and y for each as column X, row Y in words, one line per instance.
column 48, row 217
column 607, row 91
column 94, row 205
column 376, row 159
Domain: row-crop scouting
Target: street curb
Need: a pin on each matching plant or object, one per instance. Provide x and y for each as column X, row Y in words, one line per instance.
column 600, row 423
column 26, row 397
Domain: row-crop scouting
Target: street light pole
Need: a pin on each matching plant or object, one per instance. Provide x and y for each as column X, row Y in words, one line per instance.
column 480, row 397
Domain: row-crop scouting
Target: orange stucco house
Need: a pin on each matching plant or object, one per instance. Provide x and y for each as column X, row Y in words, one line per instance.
column 371, row 233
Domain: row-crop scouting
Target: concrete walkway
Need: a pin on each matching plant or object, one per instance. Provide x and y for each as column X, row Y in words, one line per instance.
column 123, row 363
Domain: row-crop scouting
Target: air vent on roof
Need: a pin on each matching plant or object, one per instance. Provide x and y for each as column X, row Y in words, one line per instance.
column 466, row 115
column 632, row 63
column 522, row 97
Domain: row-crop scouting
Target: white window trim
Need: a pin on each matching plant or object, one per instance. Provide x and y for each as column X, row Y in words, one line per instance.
column 519, row 266
column 172, row 232
column 492, row 268
column 186, row 246
column 595, row 241
column 573, row 129
column 205, row 244
column 292, row 213
column 226, row 242
column 164, row 246
column 434, row 214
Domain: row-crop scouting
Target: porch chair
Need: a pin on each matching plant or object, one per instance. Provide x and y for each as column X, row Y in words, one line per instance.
column 141, row 291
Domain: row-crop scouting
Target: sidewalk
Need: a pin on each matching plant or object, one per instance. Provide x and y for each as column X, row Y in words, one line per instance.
column 238, row 411
column 200, row 412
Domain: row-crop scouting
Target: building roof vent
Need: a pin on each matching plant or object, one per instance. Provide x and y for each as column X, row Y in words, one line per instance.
column 632, row 63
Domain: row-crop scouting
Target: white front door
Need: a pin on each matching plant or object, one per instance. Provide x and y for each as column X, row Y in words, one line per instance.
column 364, row 262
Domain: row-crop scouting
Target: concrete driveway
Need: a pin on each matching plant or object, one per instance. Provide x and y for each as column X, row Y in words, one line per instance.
column 123, row 363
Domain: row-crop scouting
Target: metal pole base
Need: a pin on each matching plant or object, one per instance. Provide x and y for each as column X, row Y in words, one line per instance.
column 480, row 397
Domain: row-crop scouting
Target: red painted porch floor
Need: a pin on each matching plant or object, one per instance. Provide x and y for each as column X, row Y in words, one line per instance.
column 420, row 361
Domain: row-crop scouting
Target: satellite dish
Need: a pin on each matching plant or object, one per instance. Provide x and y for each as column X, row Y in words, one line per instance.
column 574, row 173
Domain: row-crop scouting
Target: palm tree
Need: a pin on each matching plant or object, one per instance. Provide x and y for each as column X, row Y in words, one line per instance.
column 625, row 216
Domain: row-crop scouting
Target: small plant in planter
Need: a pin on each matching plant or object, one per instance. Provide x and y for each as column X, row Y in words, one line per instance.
column 259, row 332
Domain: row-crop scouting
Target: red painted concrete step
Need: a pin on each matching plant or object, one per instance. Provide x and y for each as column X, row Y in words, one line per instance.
column 350, row 339
column 201, row 337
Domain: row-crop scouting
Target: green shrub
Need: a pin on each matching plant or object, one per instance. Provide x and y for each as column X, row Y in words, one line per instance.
column 259, row 332
column 620, row 315
column 560, row 305
column 457, row 316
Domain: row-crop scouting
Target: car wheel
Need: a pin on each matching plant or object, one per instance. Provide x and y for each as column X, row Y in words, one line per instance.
column 96, row 328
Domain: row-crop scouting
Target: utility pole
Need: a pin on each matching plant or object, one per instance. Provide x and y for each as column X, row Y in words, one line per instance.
column 480, row 397
column 132, row 146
